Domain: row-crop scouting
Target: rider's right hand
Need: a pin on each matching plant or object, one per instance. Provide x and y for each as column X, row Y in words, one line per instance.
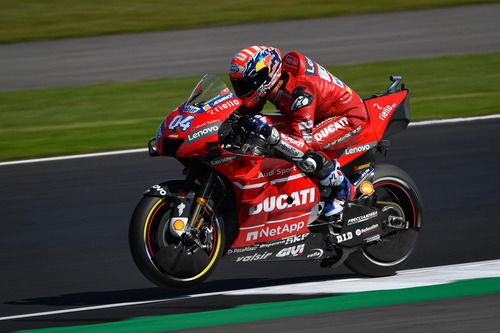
column 257, row 125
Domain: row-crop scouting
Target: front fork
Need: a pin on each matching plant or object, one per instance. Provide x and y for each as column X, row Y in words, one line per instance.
column 201, row 199
column 185, row 221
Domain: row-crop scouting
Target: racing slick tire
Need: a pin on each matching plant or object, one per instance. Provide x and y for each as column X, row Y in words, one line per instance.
column 386, row 256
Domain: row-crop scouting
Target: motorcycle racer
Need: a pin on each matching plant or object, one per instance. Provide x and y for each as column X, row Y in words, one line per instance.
column 323, row 115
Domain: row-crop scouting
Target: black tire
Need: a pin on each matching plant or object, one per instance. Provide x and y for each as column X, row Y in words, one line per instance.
column 162, row 258
column 389, row 255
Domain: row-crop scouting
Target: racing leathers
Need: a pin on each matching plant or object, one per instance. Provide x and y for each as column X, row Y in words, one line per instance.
column 323, row 115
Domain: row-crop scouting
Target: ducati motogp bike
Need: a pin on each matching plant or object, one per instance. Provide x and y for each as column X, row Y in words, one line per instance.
column 242, row 202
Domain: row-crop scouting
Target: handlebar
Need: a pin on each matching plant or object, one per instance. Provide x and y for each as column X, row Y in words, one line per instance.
column 234, row 136
column 152, row 147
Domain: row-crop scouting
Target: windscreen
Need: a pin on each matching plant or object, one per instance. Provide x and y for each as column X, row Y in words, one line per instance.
column 208, row 92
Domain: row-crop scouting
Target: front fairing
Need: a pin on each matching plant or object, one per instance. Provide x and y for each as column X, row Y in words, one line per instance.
column 188, row 129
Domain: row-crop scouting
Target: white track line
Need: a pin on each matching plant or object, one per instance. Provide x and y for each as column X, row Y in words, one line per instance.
column 72, row 157
column 89, row 308
column 404, row 279
column 105, row 306
column 143, row 150
column 454, row 120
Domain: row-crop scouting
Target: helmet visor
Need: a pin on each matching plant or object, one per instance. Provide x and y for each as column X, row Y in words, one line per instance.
column 245, row 86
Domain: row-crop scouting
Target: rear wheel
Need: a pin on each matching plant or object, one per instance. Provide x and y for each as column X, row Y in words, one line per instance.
column 396, row 194
column 167, row 260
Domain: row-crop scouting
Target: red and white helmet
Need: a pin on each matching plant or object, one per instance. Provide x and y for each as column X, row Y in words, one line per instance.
column 254, row 72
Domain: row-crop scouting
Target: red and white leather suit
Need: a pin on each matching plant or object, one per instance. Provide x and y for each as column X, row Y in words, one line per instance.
column 322, row 113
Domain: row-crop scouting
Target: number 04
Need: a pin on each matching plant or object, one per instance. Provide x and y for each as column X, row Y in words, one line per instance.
column 180, row 122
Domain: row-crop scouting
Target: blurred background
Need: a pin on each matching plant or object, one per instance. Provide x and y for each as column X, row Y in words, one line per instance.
column 64, row 95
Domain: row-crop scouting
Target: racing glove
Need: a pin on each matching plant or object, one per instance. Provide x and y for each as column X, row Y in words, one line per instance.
column 258, row 125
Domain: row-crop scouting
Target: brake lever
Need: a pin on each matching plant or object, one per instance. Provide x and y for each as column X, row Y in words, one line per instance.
column 245, row 146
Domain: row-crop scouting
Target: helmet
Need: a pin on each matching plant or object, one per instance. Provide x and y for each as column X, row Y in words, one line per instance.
column 254, row 72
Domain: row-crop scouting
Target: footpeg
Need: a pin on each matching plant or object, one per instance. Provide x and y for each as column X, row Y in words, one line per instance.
column 397, row 222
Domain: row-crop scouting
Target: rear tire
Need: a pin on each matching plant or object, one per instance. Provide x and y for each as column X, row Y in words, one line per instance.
column 385, row 257
column 164, row 259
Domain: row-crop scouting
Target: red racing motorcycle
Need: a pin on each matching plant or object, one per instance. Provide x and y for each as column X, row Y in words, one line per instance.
column 241, row 201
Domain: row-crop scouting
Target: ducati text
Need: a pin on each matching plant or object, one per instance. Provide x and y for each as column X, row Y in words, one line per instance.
column 339, row 124
column 283, row 202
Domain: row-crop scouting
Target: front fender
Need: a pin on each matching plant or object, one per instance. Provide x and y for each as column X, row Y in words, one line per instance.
column 223, row 201
column 170, row 188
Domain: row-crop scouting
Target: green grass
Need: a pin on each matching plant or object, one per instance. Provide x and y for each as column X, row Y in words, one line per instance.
column 25, row 20
column 60, row 121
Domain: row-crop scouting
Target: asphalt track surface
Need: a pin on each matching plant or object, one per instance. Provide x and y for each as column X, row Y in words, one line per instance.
column 64, row 237
column 430, row 316
column 330, row 41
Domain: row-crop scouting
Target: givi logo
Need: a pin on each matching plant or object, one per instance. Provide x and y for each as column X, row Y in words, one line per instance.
column 293, row 251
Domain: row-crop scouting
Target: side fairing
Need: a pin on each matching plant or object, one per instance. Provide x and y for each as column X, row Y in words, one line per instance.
column 275, row 198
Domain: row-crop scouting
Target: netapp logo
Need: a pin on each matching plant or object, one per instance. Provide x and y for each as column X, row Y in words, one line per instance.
column 276, row 231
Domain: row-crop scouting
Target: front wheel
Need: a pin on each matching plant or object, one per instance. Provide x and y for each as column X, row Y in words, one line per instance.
column 167, row 260
column 398, row 194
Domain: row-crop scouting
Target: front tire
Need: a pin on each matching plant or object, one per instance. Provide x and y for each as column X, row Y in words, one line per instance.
column 384, row 258
column 164, row 259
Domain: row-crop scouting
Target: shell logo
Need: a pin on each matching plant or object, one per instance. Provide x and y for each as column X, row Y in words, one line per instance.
column 178, row 225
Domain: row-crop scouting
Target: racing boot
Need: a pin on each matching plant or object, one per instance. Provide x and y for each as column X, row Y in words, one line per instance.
column 342, row 191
